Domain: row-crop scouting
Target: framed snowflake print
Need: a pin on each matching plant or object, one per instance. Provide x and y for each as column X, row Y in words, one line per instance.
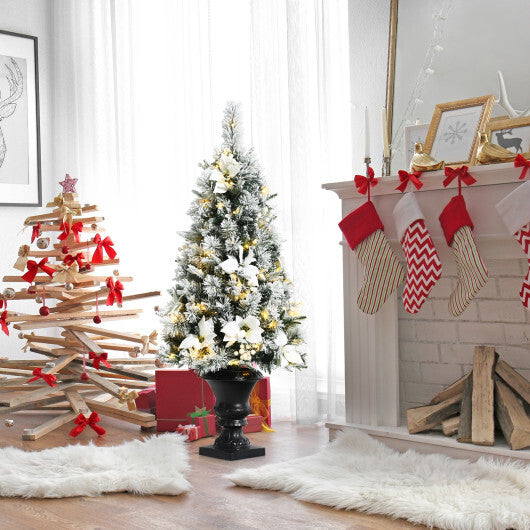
column 20, row 170
column 452, row 135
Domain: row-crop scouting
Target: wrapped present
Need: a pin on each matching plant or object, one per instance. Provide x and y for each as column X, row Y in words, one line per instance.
column 260, row 402
column 204, row 420
column 254, row 423
column 201, row 427
column 146, row 400
column 178, row 393
column 192, row 431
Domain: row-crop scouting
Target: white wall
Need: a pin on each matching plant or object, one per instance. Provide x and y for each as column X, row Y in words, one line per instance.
column 31, row 17
column 369, row 21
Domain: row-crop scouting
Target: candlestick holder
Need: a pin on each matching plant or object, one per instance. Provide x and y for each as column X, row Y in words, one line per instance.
column 385, row 169
column 367, row 161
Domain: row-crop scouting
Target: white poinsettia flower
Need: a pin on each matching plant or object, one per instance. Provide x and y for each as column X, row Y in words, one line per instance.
column 229, row 165
column 281, row 339
column 242, row 330
column 221, row 185
column 243, row 267
column 204, row 339
column 291, row 354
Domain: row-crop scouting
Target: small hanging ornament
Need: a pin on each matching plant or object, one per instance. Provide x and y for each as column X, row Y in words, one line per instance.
column 134, row 352
column 44, row 310
column 65, row 249
column 50, row 364
column 43, row 242
column 84, row 375
column 38, row 299
column 9, row 422
column 9, row 293
column 35, row 232
column 97, row 318
column 116, row 272
column 68, row 286
column 159, row 363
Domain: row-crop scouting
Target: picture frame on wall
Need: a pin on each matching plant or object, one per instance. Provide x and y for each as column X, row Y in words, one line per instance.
column 452, row 135
column 511, row 133
column 414, row 134
column 20, row 164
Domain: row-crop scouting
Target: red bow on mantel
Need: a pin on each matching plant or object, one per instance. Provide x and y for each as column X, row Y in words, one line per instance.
column 405, row 177
column 49, row 378
column 521, row 161
column 3, row 318
column 106, row 244
column 462, row 174
column 69, row 259
column 363, row 184
column 35, row 232
column 66, row 229
column 98, row 359
column 33, row 268
column 115, row 290
column 82, row 421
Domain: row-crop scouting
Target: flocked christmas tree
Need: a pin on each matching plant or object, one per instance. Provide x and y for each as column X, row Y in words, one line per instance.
column 232, row 303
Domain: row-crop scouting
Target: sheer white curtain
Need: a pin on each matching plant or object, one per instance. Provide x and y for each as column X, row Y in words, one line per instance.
column 139, row 91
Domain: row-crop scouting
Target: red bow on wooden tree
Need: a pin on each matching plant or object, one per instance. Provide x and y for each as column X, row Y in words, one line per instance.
column 3, row 318
column 66, row 229
column 82, row 421
column 98, row 359
column 462, row 175
column 49, row 378
column 115, row 290
column 33, row 268
column 106, row 244
column 405, row 177
column 35, row 233
column 521, row 161
column 69, row 259
column 363, row 184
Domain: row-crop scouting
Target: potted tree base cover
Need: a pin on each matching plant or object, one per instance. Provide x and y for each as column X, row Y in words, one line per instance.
column 231, row 315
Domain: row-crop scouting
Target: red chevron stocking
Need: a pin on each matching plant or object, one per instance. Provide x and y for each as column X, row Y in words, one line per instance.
column 516, row 216
column 423, row 265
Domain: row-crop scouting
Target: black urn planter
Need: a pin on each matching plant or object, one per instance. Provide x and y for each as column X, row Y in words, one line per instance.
column 232, row 390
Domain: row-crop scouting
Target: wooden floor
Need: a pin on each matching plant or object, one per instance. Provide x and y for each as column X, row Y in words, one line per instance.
column 213, row 502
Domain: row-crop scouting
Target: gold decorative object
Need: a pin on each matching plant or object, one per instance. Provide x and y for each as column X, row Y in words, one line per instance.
column 43, row 242
column 423, row 162
column 489, row 153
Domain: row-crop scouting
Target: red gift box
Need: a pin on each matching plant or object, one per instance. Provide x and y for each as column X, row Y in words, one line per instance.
column 178, row 392
column 201, row 427
column 260, row 401
column 146, row 400
column 254, row 423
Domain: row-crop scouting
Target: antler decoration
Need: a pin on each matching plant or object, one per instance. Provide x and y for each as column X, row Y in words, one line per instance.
column 503, row 100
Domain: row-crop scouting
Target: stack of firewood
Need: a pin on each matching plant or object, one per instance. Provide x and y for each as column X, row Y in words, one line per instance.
column 468, row 407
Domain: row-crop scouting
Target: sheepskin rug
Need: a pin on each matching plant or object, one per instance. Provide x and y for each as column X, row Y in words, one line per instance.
column 154, row 466
column 356, row 472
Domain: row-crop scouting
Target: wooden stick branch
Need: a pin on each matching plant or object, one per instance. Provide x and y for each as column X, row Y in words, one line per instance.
column 66, row 323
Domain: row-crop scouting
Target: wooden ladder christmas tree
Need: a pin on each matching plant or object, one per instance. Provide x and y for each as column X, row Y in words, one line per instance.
column 76, row 377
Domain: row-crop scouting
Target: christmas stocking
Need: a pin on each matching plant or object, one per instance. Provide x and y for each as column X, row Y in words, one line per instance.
column 423, row 265
column 363, row 230
column 472, row 274
column 516, row 216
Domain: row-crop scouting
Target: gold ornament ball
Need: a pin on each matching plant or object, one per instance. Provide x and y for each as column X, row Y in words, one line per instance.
column 9, row 293
column 38, row 299
column 133, row 354
column 68, row 286
column 43, row 242
column 50, row 365
column 94, row 226
column 156, row 308
column 159, row 363
column 9, row 422
column 116, row 272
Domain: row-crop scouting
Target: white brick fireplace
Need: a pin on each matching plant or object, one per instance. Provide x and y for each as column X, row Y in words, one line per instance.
column 395, row 360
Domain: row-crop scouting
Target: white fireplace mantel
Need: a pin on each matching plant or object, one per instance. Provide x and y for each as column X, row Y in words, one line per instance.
column 371, row 341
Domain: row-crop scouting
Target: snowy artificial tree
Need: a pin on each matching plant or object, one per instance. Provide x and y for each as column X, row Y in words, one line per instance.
column 232, row 303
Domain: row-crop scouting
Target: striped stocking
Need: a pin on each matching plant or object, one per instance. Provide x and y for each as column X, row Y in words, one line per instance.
column 363, row 230
column 515, row 213
column 472, row 274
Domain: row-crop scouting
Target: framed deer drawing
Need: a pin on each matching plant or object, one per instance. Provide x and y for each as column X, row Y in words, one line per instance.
column 512, row 134
column 20, row 168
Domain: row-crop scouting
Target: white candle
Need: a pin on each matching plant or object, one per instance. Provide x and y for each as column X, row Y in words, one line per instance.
column 386, row 145
column 366, row 134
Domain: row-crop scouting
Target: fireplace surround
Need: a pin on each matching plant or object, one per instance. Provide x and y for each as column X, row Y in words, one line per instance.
column 394, row 360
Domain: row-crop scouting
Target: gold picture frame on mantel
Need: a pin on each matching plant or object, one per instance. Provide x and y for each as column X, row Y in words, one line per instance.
column 511, row 133
column 452, row 135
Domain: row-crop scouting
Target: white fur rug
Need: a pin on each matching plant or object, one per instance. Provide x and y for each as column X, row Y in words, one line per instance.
column 154, row 466
column 356, row 472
